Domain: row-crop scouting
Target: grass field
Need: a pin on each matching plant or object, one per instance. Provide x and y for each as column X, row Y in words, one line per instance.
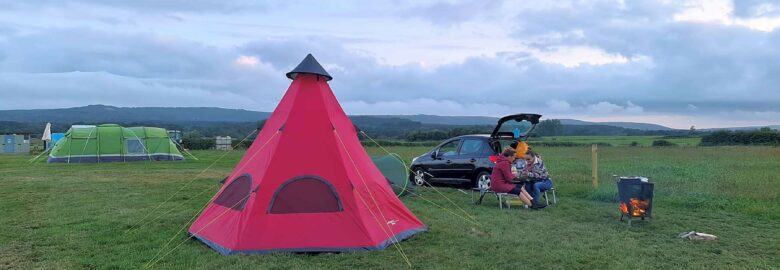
column 75, row 216
column 619, row 140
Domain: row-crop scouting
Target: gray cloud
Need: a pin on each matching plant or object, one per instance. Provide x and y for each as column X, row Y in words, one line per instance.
column 689, row 61
column 446, row 12
column 88, row 67
column 147, row 6
column 671, row 67
column 138, row 55
column 756, row 8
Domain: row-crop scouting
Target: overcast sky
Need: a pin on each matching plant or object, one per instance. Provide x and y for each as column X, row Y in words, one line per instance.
column 677, row 63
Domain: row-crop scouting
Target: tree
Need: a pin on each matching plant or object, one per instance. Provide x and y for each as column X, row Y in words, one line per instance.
column 549, row 127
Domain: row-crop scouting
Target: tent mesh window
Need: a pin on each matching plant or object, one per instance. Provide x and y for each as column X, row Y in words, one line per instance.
column 235, row 195
column 135, row 147
column 305, row 194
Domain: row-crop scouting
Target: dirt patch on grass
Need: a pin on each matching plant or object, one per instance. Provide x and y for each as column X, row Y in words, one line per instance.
column 14, row 255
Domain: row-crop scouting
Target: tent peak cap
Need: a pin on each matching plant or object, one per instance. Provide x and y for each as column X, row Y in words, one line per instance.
column 309, row 65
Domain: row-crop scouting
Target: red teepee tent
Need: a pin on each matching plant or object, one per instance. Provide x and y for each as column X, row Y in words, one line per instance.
column 306, row 184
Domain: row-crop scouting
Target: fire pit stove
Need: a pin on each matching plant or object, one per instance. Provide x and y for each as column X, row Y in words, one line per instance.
column 636, row 197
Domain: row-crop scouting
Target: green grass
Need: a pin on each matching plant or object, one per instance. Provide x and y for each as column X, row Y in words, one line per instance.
column 618, row 140
column 75, row 216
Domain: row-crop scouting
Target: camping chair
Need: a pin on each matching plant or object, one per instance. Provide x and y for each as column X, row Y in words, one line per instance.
column 503, row 198
column 555, row 200
column 482, row 192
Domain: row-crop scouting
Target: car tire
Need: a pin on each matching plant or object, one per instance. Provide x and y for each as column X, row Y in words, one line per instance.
column 482, row 181
column 419, row 178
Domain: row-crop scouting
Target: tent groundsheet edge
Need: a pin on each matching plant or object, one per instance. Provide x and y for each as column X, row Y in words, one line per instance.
column 225, row 251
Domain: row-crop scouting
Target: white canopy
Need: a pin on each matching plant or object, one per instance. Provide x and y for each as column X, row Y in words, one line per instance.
column 47, row 133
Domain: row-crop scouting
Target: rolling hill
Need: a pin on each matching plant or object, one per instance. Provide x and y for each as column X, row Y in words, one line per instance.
column 630, row 125
column 111, row 114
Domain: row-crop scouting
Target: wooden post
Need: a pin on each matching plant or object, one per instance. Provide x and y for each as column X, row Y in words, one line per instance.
column 594, row 153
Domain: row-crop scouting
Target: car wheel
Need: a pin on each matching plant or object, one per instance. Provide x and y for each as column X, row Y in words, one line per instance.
column 419, row 177
column 483, row 181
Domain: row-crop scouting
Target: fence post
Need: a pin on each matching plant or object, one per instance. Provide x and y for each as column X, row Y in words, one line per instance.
column 594, row 153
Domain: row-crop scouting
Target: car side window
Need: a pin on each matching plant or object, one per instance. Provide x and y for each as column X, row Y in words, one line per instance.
column 449, row 149
column 471, row 147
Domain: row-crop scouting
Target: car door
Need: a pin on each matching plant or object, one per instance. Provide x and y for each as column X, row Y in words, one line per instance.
column 516, row 126
column 442, row 159
column 471, row 150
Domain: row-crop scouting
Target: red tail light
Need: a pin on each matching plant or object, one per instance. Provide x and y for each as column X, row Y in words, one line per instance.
column 493, row 158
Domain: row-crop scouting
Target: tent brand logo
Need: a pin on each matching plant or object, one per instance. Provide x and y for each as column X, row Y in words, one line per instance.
column 392, row 222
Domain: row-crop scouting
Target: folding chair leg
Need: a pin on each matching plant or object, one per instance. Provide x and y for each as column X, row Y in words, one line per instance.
column 555, row 200
column 546, row 201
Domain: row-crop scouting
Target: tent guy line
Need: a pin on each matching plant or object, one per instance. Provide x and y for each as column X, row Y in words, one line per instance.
column 152, row 262
column 175, row 207
column 188, row 183
column 445, row 209
column 429, row 184
column 396, row 243
column 209, row 202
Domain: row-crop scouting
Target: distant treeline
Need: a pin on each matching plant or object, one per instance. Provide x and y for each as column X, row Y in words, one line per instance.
column 210, row 143
column 438, row 135
column 550, row 127
column 190, row 129
column 398, row 131
column 763, row 136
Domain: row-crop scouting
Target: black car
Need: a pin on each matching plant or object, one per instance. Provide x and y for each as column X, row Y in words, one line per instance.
column 469, row 159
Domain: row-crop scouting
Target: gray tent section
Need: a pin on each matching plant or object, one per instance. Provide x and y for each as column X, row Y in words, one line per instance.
column 394, row 169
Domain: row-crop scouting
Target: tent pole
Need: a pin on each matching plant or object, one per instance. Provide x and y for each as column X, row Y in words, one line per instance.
column 70, row 144
column 143, row 145
column 97, row 147
column 148, row 157
column 87, row 143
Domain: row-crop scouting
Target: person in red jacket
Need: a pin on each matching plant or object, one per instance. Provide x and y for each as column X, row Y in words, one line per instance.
column 501, row 178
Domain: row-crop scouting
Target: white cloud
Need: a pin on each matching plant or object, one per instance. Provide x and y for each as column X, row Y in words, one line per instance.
column 605, row 107
column 249, row 61
column 427, row 106
column 633, row 108
column 574, row 56
column 722, row 12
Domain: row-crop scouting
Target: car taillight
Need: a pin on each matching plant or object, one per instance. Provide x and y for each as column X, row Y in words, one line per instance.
column 493, row 158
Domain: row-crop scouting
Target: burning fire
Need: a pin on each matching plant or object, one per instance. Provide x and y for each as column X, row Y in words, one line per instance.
column 638, row 207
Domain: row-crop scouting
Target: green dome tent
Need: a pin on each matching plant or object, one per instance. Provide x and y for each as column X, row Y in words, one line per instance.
column 393, row 168
column 113, row 143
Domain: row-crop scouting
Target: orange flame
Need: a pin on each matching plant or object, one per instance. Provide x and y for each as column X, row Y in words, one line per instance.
column 638, row 207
